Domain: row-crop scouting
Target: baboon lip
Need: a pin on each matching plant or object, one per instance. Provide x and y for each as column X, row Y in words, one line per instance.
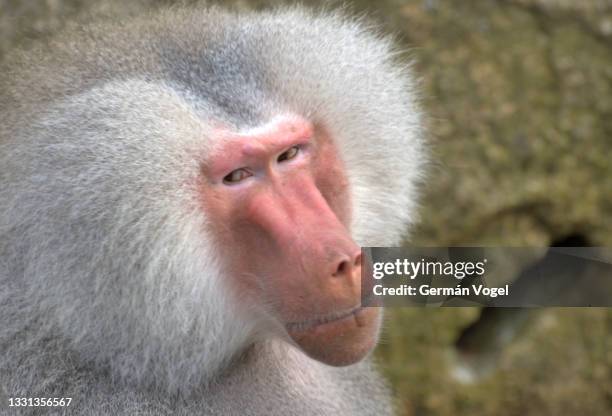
column 306, row 325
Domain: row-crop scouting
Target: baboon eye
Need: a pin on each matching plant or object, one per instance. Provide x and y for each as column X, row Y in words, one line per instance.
column 236, row 176
column 289, row 154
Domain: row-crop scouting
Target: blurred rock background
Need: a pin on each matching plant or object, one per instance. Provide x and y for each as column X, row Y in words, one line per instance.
column 519, row 94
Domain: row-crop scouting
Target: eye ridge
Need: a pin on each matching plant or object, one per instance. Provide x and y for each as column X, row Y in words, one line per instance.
column 236, row 176
column 288, row 154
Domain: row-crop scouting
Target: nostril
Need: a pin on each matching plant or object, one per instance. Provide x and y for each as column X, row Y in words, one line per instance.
column 357, row 261
column 348, row 265
column 342, row 268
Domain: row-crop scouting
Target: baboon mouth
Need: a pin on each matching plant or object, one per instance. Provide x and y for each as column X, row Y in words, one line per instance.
column 303, row 326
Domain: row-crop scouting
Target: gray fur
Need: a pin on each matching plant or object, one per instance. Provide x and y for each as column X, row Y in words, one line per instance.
column 110, row 292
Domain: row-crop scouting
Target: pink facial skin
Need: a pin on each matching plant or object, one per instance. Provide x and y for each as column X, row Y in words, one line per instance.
column 279, row 202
